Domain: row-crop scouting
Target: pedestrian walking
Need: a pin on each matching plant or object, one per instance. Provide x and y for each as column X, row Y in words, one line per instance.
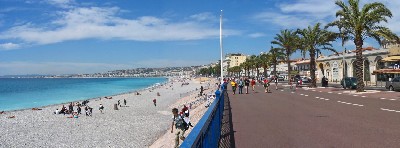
column 253, row 83
column 241, row 85
column 233, row 84
column 266, row 85
column 246, row 84
column 276, row 82
column 124, row 102
column 180, row 127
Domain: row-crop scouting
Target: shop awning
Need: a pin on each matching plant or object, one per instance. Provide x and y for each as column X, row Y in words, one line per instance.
column 386, row 71
column 391, row 59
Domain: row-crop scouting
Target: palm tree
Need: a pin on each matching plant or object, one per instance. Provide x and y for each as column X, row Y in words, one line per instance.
column 276, row 53
column 265, row 62
column 289, row 43
column 359, row 24
column 314, row 40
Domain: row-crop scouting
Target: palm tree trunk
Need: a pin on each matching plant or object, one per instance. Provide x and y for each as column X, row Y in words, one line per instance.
column 312, row 68
column 359, row 64
column 265, row 71
column 288, row 63
column 275, row 62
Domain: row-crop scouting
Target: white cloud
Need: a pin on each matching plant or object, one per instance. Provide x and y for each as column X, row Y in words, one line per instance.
column 9, row 46
column 256, row 35
column 61, row 3
column 23, row 67
column 103, row 23
column 284, row 20
column 20, row 68
column 204, row 16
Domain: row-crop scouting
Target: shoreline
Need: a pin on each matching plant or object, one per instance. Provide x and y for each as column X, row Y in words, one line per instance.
column 90, row 99
column 137, row 124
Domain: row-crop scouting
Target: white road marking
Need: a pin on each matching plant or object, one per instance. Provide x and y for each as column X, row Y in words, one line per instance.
column 384, row 109
column 355, row 95
column 391, row 110
column 313, row 90
column 392, row 99
column 281, row 90
column 339, row 93
column 326, row 99
column 339, row 101
column 329, row 92
column 397, row 111
column 320, row 91
column 301, row 94
column 292, row 92
column 306, row 95
column 360, row 105
column 349, row 103
column 383, row 98
column 322, row 98
column 317, row 97
column 355, row 104
column 343, row 102
column 363, row 96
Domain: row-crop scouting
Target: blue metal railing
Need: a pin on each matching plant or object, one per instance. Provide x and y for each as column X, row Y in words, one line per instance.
column 207, row 131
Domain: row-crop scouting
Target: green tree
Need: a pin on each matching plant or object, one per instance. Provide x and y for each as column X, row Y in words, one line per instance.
column 265, row 62
column 289, row 43
column 276, row 53
column 360, row 24
column 314, row 39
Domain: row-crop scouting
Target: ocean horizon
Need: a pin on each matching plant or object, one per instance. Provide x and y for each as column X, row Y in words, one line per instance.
column 25, row 93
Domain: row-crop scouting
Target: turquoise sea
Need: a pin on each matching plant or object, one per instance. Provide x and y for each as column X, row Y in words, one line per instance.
column 31, row 92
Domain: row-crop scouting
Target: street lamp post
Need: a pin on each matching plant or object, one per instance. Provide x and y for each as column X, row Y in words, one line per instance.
column 220, row 45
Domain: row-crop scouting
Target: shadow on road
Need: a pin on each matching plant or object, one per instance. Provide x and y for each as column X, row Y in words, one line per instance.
column 227, row 134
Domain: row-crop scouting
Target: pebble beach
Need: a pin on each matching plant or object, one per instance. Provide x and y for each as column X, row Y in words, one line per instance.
column 138, row 124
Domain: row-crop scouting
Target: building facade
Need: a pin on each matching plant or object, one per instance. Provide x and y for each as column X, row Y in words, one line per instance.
column 335, row 67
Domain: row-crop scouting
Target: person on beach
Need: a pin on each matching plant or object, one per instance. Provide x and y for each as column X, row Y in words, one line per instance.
column 63, row 110
column 57, row 111
column 185, row 111
column 124, row 102
column 246, row 84
column 71, row 108
column 253, row 83
column 180, row 127
column 233, row 84
column 201, row 90
column 119, row 104
column 86, row 111
column 79, row 109
column 101, row 108
column 155, row 102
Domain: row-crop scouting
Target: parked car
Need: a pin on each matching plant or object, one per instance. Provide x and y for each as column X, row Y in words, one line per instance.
column 394, row 84
column 351, row 82
column 280, row 78
column 305, row 81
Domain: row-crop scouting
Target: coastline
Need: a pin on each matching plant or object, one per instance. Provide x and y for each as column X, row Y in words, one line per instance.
column 90, row 99
column 138, row 124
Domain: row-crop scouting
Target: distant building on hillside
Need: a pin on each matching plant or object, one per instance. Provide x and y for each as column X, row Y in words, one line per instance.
column 232, row 60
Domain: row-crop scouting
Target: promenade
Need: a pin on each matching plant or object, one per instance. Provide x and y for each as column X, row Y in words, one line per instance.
column 308, row 118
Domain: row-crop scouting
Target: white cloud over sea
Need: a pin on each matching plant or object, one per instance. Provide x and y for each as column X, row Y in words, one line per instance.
column 77, row 23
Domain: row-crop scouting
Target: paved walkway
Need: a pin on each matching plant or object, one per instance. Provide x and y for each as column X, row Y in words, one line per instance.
column 313, row 118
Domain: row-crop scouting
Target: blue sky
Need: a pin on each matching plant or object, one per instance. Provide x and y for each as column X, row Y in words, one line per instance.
column 87, row 36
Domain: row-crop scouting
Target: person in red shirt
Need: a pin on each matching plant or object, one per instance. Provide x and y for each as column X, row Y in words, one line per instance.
column 253, row 83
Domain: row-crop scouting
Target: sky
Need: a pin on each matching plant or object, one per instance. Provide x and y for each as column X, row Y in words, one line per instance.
column 89, row 36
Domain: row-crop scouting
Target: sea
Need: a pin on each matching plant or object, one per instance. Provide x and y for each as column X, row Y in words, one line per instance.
column 23, row 93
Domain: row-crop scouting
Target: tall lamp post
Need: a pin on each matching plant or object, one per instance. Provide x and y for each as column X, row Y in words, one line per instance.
column 220, row 45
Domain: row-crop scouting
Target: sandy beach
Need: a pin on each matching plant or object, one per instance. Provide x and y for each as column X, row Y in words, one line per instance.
column 139, row 124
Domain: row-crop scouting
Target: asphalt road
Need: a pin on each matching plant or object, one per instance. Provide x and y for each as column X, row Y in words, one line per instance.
column 321, row 117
